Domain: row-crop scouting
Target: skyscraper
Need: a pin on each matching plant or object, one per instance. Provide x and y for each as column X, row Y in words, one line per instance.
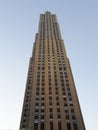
column 50, row 101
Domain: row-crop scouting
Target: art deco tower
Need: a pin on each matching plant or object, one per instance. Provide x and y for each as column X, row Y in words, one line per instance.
column 50, row 101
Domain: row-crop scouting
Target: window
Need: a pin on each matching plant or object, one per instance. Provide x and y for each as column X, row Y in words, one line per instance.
column 57, row 98
column 50, row 109
column 42, row 103
column 50, row 103
column 72, row 110
column 51, row 116
column 67, row 116
column 62, row 84
column 42, row 126
column 37, row 93
column 24, row 126
column 66, row 76
column 36, row 116
column 66, row 111
column 69, row 94
column 49, row 83
column 51, row 125
column 64, row 68
column 59, row 126
column 75, row 126
column 60, row 68
column 55, row 83
column 59, row 116
column 73, row 117
column 36, row 110
column 63, row 89
column 71, row 104
column 43, row 84
column 26, row 110
column 24, row 120
column 68, row 126
column 42, row 98
column 42, row 110
column 64, row 93
column 70, row 98
column 38, row 68
column 50, row 93
column 57, row 103
column 25, row 115
column 42, row 116
column 58, row 109
column 38, row 84
column 56, row 91
column 37, row 104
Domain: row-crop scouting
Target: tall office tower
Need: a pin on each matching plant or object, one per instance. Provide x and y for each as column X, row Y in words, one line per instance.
column 50, row 101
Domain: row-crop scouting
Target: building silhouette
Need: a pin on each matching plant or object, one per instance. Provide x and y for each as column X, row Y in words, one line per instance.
column 50, row 101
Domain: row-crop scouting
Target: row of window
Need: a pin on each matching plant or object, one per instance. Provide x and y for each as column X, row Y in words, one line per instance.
column 42, row 127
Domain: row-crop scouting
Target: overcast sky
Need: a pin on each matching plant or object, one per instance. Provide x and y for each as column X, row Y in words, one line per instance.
column 78, row 20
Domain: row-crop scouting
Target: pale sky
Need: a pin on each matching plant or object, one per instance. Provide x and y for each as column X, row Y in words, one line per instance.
column 78, row 20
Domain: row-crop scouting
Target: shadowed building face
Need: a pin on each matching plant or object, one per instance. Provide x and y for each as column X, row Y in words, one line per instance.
column 50, row 101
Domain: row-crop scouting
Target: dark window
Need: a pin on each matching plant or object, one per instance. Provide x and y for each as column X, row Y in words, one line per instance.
column 63, row 88
column 55, row 83
column 56, row 92
column 50, row 109
column 51, row 116
column 59, row 116
column 49, row 88
column 65, row 99
column 69, row 94
column 70, row 99
column 59, row 126
column 24, row 126
column 36, row 110
column 57, row 103
column 50, row 93
column 50, row 103
column 43, row 84
column 26, row 110
column 68, row 126
column 36, row 116
column 42, row 116
column 25, row 114
column 58, row 109
column 49, row 83
column 42, row 110
column 71, row 105
column 42, row 126
column 42, row 103
column 60, row 68
column 67, row 116
column 42, row 98
column 73, row 117
column 64, row 68
column 37, row 104
column 65, row 103
column 37, row 93
column 57, row 98
column 66, row 111
column 24, row 120
column 64, row 93
column 75, row 126
column 72, row 110
column 51, row 125
column 62, row 84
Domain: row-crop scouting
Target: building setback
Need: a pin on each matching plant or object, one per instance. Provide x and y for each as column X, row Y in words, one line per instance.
column 50, row 101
